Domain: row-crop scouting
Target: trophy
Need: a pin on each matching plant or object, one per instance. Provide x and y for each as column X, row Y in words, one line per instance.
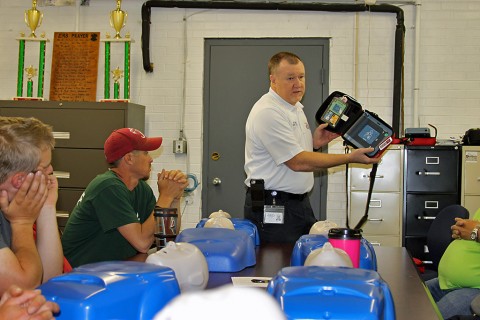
column 33, row 18
column 118, row 18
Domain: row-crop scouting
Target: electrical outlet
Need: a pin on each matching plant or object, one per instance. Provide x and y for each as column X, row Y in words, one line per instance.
column 180, row 146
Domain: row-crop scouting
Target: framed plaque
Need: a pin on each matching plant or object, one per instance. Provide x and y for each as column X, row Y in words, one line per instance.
column 74, row 66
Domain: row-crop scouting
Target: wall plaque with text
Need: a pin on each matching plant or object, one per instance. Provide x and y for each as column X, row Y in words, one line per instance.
column 74, row 66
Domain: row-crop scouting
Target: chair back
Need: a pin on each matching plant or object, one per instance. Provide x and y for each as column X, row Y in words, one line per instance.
column 439, row 234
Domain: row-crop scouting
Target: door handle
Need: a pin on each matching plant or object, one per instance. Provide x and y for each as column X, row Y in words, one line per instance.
column 216, row 181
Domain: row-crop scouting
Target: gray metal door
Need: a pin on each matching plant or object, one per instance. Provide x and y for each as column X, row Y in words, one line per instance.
column 236, row 76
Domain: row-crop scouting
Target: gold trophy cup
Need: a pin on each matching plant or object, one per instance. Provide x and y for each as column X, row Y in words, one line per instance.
column 118, row 18
column 33, row 18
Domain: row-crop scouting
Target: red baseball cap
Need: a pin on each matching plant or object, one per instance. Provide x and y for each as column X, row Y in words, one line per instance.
column 125, row 140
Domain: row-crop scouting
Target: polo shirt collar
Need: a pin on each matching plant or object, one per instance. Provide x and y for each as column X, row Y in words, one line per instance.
column 283, row 102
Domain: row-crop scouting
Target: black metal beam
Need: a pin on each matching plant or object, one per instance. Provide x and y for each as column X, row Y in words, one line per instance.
column 331, row 7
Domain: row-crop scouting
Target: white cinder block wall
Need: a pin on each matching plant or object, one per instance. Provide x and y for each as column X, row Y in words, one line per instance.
column 447, row 81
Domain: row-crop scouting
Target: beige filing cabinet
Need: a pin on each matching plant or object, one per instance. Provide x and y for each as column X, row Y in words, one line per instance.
column 384, row 225
column 80, row 130
column 470, row 188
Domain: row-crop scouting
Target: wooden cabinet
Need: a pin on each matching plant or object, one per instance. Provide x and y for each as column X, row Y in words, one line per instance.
column 432, row 182
column 384, row 224
column 470, row 196
column 80, row 130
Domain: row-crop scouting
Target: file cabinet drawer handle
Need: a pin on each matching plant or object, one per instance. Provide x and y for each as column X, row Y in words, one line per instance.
column 425, row 218
column 375, row 219
column 61, row 135
column 376, row 244
column 428, row 173
column 62, row 214
column 378, row 176
column 61, row 174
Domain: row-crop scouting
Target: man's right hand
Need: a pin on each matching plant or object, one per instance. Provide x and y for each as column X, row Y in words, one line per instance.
column 27, row 202
column 172, row 183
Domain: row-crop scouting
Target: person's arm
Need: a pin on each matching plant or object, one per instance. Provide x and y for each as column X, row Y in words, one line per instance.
column 21, row 264
column 17, row 303
column 463, row 228
column 48, row 237
column 171, row 185
column 139, row 235
column 306, row 161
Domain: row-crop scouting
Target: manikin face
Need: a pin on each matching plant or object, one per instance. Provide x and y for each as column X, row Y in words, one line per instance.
column 288, row 81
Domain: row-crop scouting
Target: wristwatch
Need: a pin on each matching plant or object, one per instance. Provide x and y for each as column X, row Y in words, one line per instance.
column 474, row 233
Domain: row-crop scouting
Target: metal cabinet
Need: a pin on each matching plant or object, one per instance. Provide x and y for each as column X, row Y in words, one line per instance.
column 80, row 130
column 470, row 195
column 384, row 225
column 432, row 182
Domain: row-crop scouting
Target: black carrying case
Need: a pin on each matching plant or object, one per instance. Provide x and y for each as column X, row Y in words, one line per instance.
column 471, row 137
column 359, row 128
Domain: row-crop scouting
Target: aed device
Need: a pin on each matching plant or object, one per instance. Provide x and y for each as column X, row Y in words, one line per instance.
column 359, row 128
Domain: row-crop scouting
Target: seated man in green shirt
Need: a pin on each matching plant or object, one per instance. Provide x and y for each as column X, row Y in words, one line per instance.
column 458, row 281
column 113, row 219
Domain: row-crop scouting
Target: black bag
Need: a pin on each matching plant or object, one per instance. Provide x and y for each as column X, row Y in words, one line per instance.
column 472, row 137
column 359, row 128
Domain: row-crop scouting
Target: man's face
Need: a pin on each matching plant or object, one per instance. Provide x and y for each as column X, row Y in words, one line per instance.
column 45, row 164
column 142, row 164
column 288, row 81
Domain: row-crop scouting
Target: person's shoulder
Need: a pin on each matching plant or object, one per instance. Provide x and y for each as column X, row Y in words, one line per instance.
column 104, row 180
column 266, row 101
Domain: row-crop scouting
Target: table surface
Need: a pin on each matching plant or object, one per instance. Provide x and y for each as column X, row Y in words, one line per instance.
column 395, row 266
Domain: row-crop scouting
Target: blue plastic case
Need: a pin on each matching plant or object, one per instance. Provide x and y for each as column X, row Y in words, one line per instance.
column 240, row 224
column 225, row 250
column 332, row 293
column 112, row 290
column 309, row 242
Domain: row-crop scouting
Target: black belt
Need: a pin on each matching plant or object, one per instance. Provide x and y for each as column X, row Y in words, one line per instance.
column 283, row 195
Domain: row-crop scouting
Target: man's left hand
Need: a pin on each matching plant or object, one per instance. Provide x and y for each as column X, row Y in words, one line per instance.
column 322, row 137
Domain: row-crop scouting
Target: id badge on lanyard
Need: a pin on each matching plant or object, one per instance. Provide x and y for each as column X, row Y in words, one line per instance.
column 273, row 213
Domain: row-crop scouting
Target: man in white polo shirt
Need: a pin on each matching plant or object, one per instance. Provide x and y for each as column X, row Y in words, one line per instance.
column 279, row 151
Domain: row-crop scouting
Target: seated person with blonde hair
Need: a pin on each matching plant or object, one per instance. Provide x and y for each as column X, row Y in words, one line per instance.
column 28, row 196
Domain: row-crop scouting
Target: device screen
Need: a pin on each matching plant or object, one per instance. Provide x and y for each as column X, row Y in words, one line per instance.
column 368, row 132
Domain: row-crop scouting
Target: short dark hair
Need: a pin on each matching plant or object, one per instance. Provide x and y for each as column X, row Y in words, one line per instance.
column 277, row 58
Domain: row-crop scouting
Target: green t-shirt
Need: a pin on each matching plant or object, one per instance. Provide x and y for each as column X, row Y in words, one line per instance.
column 91, row 233
column 460, row 264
